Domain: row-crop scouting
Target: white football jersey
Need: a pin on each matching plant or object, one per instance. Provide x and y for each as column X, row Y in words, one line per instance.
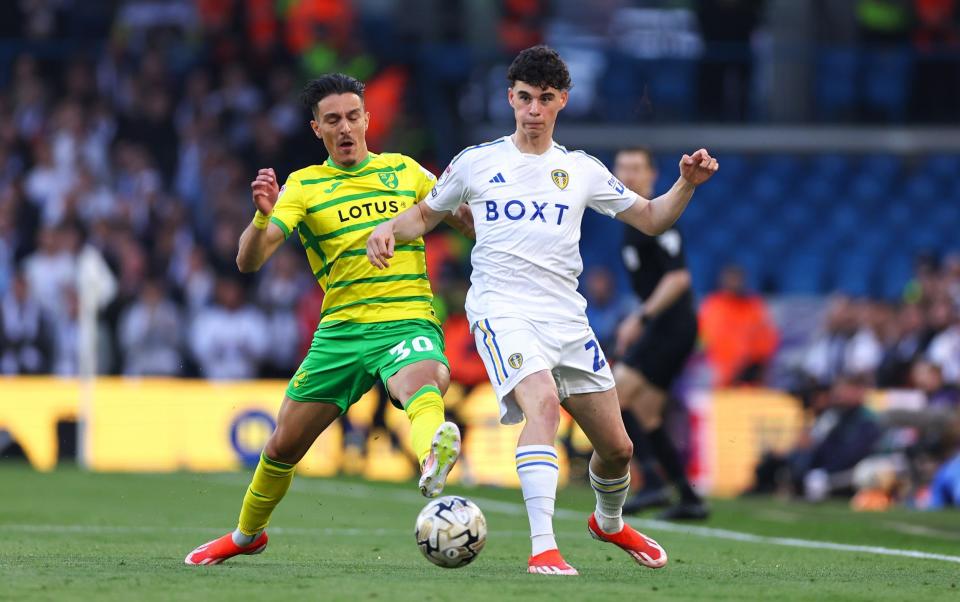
column 527, row 211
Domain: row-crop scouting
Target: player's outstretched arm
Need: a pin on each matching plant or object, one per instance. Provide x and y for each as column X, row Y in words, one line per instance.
column 409, row 225
column 261, row 238
column 654, row 217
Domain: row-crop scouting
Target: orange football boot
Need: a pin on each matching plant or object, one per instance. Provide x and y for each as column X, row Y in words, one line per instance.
column 222, row 548
column 550, row 563
column 643, row 549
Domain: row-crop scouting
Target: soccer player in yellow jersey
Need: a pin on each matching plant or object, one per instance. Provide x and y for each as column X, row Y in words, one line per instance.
column 374, row 324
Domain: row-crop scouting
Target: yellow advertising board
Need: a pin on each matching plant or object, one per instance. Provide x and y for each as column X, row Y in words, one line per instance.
column 177, row 424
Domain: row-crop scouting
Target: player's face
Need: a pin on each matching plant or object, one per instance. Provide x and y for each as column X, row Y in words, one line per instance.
column 535, row 109
column 635, row 171
column 342, row 125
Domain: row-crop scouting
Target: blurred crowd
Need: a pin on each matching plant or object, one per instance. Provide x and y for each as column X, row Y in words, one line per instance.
column 880, row 385
column 129, row 133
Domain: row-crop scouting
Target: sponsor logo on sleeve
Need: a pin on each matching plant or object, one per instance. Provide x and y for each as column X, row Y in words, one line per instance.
column 616, row 184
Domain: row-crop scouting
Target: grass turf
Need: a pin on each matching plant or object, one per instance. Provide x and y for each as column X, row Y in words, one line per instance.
column 70, row 535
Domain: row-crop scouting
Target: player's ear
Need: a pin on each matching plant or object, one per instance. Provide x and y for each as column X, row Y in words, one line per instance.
column 316, row 128
column 564, row 96
column 510, row 95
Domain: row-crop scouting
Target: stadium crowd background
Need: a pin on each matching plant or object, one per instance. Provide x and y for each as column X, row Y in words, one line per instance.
column 129, row 132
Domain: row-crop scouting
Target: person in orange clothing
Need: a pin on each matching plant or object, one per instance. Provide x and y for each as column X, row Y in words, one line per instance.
column 736, row 330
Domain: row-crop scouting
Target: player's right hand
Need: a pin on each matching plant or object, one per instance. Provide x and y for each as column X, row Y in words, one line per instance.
column 627, row 333
column 380, row 245
column 265, row 190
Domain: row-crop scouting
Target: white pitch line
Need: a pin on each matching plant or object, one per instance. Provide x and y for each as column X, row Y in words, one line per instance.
column 130, row 529
column 364, row 491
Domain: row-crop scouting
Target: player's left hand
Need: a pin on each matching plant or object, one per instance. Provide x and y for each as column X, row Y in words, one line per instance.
column 698, row 167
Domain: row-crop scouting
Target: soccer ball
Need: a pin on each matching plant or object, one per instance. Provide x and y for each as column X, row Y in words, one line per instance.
column 451, row 531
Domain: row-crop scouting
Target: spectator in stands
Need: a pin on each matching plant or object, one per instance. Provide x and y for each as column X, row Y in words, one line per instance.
column 227, row 338
column 951, row 277
column 151, row 334
column 66, row 342
column 908, row 344
column 864, row 350
column 195, row 280
column 727, row 64
column 936, row 38
column 605, row 308
column 279, row 290
column 25, row 345
column 843, row 433
column 50, row 270
column 46, row 185
column 945, row 488
column 944, row 351
column 737, row 333
column 928, row 378
column 826, row 356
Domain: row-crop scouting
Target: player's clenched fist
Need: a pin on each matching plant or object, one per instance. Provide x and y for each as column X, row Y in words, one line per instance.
column 698, row 167
column 265, row 190
column 380, row 245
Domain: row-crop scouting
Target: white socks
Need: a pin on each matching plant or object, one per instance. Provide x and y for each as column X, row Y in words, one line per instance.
column 539, row 471
column 242, row 540
column 611, row 493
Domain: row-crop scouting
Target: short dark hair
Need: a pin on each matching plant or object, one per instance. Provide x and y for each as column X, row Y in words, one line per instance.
column 540, row 66
column 331, row 83
column 643, row 150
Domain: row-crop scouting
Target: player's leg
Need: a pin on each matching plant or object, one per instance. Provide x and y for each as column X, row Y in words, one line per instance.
column 598, row 414
column 330, row 379
column 629, row 387
column 298, row 426
column 649, row 405
column 518, row 357
column 539, row 469
column 407, row 355
column 419, row 387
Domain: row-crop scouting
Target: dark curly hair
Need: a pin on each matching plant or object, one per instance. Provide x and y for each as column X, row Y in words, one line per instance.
column 331, row 83
column 540, row 66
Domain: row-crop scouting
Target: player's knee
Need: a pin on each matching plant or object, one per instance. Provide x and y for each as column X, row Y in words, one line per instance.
column 283, row 449
column 404, row 385
column 547, row 412
column 441, row 378
column 620, row 453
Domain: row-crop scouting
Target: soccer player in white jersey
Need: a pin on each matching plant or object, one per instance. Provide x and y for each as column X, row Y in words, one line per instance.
column 527, row 195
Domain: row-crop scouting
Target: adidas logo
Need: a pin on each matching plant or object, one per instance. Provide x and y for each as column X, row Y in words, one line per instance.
column 498, row 179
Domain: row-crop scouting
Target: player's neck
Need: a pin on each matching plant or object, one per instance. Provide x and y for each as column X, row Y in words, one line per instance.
column 362, row 159
column 532, row 145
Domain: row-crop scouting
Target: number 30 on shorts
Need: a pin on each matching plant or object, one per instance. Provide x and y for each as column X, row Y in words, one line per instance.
column 402, row 350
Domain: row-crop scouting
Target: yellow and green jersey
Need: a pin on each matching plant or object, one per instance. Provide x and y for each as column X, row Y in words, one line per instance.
column 334, row 209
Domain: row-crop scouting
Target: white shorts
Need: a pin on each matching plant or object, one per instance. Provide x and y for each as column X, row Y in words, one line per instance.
column 514, row 348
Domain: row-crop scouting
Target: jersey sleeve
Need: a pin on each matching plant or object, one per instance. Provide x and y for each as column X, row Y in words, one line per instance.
column 605, row 193
column 452, row 188
column 289, row 210
column 423, row 180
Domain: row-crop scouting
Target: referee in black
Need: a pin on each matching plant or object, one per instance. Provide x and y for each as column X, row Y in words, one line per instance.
column 653, row 345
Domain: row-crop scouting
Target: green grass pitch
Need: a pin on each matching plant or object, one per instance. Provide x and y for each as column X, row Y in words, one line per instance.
column 70, row 535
